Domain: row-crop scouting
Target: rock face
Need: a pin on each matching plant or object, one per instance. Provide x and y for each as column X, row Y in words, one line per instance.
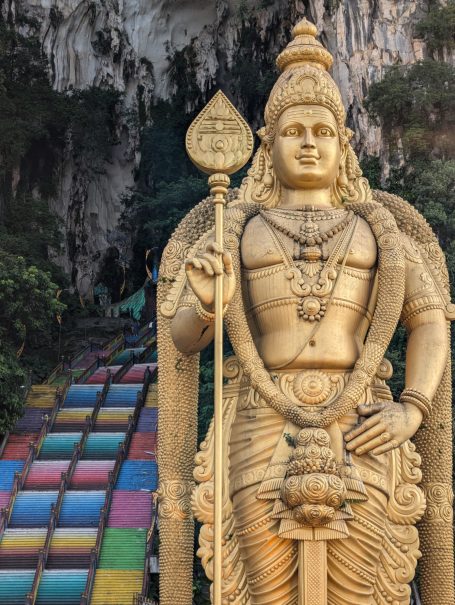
column 127, row 44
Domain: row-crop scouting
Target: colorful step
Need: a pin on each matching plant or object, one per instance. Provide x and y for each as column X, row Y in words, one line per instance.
column 19, row 548
column 99, row 376
column 142, row 447
column 32, row 420
column 113, row 419
column 41, row 396
column 148, row 420
column 71, row 420
column 79, row 508
column 82, row 396
column 61, row 586
column 59, row 446
column 126, row 355
column 102, row 446
column 123, row 549
column 136, row 373
column 115, row 587
column 92, row 474
column 122, row 395
column 130, row 509
column 71, row 548
column 18, row 446
column 45, row 475
column 8, row 469
column 137, row 475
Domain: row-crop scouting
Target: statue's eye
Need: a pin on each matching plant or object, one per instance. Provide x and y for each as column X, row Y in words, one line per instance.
column 325, row 132
column 291, row 132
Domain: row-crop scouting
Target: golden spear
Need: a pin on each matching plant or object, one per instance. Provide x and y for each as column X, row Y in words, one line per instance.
column 219, row 142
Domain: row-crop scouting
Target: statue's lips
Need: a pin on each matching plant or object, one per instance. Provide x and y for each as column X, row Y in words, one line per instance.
column 308, row 159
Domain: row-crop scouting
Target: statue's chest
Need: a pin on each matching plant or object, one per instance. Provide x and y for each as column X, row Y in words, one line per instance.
column 279, row 270
column 262, row 245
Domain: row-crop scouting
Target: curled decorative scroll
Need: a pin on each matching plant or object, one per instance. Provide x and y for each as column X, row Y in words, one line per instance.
column 407, row 501
column 174, row 498
column 439, row 502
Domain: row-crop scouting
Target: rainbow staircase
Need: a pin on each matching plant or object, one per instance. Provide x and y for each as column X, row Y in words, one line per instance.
column 78, row 477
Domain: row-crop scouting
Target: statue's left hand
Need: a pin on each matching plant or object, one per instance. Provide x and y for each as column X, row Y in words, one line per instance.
column 386, row 425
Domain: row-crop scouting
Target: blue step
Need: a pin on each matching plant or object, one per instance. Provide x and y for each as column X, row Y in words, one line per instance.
column 7, row 470
column 79, row 508
column 33, row 508
column 136, row 475
column 148, row 420
column 59, row 446
column 14, row 586
column 61, row 586
column 82, row 396
column 122, row 395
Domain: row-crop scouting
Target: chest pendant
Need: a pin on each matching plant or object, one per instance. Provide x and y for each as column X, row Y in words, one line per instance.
column 311, row 275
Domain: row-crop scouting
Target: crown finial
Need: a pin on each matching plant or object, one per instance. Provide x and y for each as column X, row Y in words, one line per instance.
column 304, row 49
column 304, row 28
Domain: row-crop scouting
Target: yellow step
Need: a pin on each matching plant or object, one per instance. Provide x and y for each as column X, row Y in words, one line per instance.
column 115, row 587
column 41, row 396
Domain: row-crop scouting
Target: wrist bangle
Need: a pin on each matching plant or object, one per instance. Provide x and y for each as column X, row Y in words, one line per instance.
column 418, row 399
column 205, row 315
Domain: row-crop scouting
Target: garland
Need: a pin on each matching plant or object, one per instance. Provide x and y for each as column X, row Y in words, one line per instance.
column 391, row 280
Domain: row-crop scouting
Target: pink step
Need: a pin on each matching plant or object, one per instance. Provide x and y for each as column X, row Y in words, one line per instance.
column 130, row 509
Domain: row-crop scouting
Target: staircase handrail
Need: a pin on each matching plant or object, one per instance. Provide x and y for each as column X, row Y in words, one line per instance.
column 91, row 369
column 124, row 369
column 54, row 373
column 113, row 342
column 60, row 367
column 147, row 334
column 121, row 454
column 4, row 442
column 142, row 357
column 117, row 349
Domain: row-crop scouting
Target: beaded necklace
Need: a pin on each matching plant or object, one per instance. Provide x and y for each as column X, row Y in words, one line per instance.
column 307, row 213
column 310, row 238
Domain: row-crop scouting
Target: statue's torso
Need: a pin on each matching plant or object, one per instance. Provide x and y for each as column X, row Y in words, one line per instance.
column 333, row 342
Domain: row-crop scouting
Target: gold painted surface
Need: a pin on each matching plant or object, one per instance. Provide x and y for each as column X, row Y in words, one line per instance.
column 306, row 405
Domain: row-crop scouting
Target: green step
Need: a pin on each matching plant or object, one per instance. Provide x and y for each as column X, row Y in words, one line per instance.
column 123, row 549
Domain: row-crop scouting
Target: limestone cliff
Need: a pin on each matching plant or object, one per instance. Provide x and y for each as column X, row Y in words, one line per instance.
column 129, row 45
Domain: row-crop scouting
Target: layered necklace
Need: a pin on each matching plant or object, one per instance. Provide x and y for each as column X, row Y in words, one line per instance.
column 312, row 263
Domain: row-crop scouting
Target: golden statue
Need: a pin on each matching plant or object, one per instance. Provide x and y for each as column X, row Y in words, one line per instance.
column 321, row 481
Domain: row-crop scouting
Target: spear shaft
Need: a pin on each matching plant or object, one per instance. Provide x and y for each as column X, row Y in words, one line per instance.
column 219, row 184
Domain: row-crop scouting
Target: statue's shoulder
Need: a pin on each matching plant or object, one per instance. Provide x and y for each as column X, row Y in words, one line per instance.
column 410, row 222
column 419, row 242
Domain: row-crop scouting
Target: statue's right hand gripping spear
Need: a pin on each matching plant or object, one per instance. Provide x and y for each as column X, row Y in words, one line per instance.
column 219, row 142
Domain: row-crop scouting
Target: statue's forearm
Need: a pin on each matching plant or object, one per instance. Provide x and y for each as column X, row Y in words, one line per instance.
column 427, row 350
column 189, row 332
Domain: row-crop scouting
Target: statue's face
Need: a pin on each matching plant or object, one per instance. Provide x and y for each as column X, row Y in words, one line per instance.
column 306, row 150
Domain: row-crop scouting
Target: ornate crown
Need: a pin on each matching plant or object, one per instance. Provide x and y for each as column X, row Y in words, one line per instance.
column 304, row 79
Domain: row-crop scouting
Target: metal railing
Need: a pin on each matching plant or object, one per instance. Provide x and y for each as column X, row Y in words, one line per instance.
column 90, row 370
column 124, row 369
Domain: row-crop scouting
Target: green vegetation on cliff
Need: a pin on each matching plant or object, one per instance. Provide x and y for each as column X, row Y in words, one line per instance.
column 415, row 107
column 37, row 124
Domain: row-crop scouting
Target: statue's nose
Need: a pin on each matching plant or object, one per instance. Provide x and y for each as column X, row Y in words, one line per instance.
column 308, row 139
